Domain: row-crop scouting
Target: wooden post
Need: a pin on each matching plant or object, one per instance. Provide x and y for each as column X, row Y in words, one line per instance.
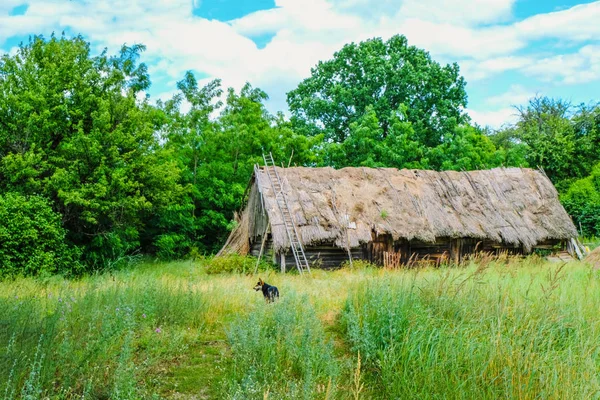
column 456, row 250
column 282, row 262
column 262, row 246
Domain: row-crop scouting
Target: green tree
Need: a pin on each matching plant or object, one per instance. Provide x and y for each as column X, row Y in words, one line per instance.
column 32, row 239
column 384, row 76
column 511, row 150
column 73, row 129
column 367, row 146
column 217, row 143
column 582, row 202
column 586, row 123
column 466, row 148
column 545, row 128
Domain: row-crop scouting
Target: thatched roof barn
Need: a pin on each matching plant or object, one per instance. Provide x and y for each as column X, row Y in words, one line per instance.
column 366, row 212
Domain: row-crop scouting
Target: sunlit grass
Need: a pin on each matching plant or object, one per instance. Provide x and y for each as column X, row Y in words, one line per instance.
column 506, row 329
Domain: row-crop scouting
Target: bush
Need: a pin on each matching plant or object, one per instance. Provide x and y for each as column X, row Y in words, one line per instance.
column 235, row 264
column 582, row 202
column 32, row 239
column 171, row 246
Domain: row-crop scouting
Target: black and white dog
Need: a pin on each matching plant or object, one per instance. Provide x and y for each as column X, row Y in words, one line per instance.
column 271, row 293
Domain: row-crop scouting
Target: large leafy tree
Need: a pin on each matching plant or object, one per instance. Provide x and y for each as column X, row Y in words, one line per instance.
column 217, row 143
column 582, row 202
column 74, row 130
column 586, row 123
column 382, row 75
column 544, row 126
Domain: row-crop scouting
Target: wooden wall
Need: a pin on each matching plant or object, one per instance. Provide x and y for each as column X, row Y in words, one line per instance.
column 413, row 252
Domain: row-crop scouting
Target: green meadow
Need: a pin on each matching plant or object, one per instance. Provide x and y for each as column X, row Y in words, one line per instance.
column 514, row 328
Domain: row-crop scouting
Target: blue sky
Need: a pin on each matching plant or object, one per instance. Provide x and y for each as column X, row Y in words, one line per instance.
column 508, row 50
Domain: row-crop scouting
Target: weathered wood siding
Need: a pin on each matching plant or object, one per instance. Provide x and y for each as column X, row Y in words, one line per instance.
column 328, row 256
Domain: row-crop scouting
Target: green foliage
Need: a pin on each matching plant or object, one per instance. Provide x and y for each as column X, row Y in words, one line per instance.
column 32, row 239
column 217, row 154
column 73, row 130
column 473, row 335
column 235, row 264
column 545, row 128
column 123, row 177
column 553, row 135
column 383, row 76
column 280, row 349
column 172, row 246
column 465, row 148
column 98, row 338
column 582, row 202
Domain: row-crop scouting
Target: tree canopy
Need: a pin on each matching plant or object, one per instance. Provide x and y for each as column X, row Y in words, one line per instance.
column 382, row 76
column 73, row 131
column 92, row 172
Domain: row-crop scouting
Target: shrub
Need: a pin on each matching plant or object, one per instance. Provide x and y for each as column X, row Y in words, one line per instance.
column 171, row 246
column 582, row 202
column 236, row 264
column 32, row 239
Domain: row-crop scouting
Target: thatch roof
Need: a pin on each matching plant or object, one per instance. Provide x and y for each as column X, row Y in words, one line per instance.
column 594, row 258
column 512, row 205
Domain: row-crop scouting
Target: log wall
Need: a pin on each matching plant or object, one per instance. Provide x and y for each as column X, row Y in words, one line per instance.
column 382, row 248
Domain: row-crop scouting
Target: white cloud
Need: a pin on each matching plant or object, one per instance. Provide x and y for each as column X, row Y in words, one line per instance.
column 515, row 96
column 461, row 12
column 500, row 110
column 578, row 23
column 474, row 70
column 580, row 67
column 494, row 119
column 473, row 31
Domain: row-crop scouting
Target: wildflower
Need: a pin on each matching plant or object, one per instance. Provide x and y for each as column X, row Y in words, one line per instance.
column 157, row 330
column 143, row 315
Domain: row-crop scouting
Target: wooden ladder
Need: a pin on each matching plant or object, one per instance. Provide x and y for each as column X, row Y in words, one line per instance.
column 288, row 221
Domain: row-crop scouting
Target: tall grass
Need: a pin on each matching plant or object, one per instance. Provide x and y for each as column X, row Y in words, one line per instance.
column 94, row 339
column 495, row 329
column 280, row 350
column 522, row 332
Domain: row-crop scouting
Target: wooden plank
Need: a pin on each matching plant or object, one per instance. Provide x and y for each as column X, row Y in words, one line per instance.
column 262, row 247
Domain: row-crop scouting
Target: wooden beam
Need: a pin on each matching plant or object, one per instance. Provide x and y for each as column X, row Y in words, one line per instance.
column 282, row 262
column 262, row 246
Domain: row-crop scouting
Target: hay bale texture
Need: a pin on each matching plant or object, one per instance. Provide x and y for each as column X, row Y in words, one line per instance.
column 594, row 258
column 516, row 206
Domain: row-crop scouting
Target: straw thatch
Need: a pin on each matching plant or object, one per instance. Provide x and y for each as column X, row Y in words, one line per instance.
column 515, row 206
column 594, row 258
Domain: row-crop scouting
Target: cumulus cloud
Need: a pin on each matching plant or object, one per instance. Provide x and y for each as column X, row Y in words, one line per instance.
column 494, row 119
column 474, row 70
column 516, row 95
column 497, row 111
column 580, row 67
column 578, row 23
column 477, row 33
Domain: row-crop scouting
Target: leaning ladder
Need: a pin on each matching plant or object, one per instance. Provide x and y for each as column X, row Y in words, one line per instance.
column 288, row 221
